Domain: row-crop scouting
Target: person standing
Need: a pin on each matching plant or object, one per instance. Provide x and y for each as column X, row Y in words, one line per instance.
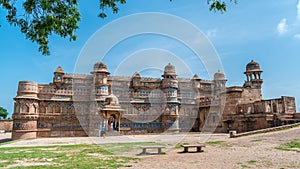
column 103, row 131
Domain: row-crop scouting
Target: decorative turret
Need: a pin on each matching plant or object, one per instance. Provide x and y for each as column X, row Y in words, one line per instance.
column 219, row 80
column 170, row 88
column 26, row 109
column 170, row 70
column 170, row 82
column 136, row 80
column 169, row 77
column 100, row 74
column 100, row 78
column 219, row 83
column 58, row 76
column 253, row 74
column 196, row 81
column 28, row 90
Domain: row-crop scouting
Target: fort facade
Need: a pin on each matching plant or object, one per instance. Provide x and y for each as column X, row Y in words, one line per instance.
column 91, row 104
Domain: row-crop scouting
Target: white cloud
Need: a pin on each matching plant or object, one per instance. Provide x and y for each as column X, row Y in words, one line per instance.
column 298, row 10
column 297, row 36
column 282, row 27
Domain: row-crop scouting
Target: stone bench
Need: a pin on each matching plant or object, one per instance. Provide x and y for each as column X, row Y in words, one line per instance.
column 2, row 131
column 152, row 147
column 197, row 146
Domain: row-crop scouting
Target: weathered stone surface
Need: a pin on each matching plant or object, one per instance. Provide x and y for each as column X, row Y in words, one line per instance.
column 81, row 105
column 6, row 125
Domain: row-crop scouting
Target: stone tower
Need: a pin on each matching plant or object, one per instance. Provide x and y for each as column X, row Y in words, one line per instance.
column 136, row 80
column 253, row 83
column 170, row 85
column 100, row 79
column 58, row 76
column 170, row 89
column 196, row 80
column 253, row 74
column 26, row 111
column 219, row 83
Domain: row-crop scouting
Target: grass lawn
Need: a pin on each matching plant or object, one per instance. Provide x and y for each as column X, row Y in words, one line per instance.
column 258, row 140
column 69, row 156
column 118, row 148
column 215, row 142
column 291, row 146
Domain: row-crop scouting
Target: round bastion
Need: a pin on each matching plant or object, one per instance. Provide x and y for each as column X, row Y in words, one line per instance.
column 27, row 89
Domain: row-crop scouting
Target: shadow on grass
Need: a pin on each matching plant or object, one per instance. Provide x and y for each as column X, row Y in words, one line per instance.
column 190, row 152
column 5, row 140
column 151, row 153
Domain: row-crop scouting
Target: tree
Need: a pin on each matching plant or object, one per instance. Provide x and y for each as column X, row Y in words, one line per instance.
column 38, row 19
column 3, row 113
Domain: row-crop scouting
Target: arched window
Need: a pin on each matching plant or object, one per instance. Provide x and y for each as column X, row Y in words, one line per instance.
column 25, row 108
column 17, row 108
column 50, row 109
column 42, row 109
column 57, row 109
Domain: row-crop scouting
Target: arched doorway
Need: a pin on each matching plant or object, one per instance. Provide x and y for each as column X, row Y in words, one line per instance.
column 110, row 112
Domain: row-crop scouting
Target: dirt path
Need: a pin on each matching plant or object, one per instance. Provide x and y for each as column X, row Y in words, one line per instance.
column 256, row 151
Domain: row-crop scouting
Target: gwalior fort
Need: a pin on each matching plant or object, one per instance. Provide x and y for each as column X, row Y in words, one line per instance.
column 95, row 104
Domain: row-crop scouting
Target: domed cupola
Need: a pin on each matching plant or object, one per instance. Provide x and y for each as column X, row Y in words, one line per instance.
column 59, row 70
column 135, row 80
column 58, row 76
column 101, row 78
column 100, row 67
column 196, row 82
column 219, row 76
column 169, row 77
column 219, row 80
column 253, row 75
column 169, row 84
column 252, row 66
column 196, row 77
column 170, row 70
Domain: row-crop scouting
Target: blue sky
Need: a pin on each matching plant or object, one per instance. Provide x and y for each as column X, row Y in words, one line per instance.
column 266, row 31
